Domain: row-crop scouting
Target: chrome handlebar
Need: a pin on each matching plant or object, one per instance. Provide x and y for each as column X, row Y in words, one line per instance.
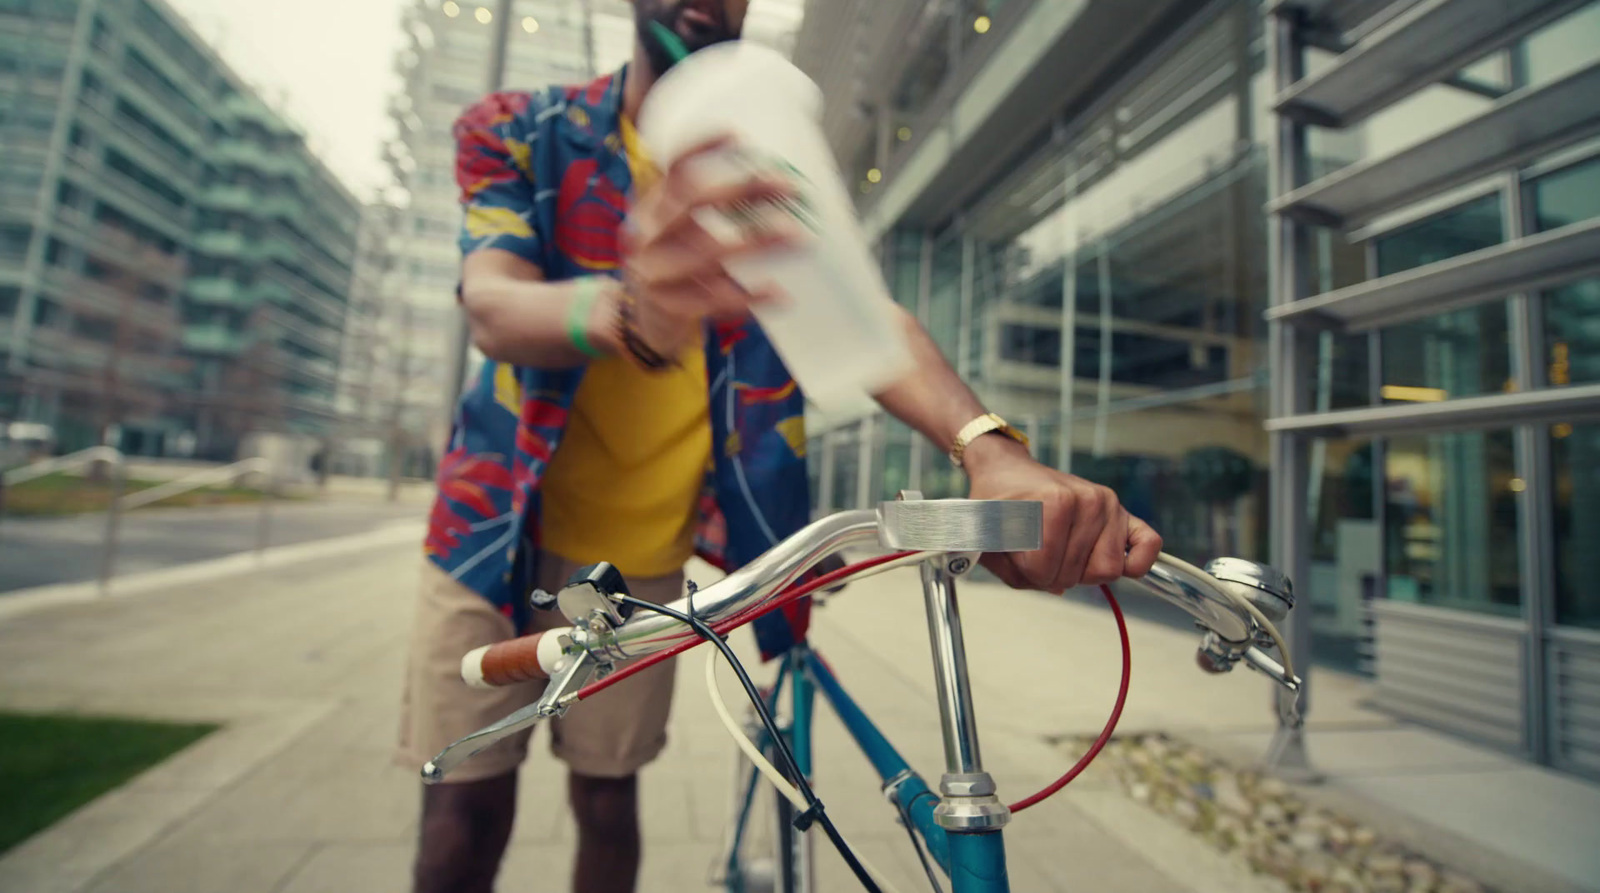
column 972, row 526
column 952, row 527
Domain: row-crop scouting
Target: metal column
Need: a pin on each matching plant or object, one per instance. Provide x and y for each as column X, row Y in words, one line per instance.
column 461, row 340
column 1288, row 258
column 963, row 361
column 1535, row 504
column 1069, row 298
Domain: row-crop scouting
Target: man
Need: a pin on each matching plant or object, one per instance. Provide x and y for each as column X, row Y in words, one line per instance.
column 631, row 411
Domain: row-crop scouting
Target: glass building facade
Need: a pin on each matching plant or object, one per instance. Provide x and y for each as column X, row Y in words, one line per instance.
column 1102, row 280
column 174, row 261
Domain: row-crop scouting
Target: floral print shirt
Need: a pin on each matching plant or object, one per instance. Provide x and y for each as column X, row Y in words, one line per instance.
column 544, row 176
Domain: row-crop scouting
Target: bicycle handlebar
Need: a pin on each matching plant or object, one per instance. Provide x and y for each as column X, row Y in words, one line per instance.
column 977, row 525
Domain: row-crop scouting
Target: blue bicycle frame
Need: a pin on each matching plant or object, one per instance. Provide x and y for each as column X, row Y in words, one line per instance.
column 962, row 830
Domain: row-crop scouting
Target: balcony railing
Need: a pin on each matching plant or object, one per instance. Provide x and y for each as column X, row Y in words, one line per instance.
column 252, row 155
column 114, row 245
column 86, row 169
column 230, row 198
column 324, row 340
column 18, row 201
column 219, row 291
column 216, row 339
column 302, row 295
column 172, row 209
column 80, row 293
column 221, row 243
column 126, row 136
column 184, row 123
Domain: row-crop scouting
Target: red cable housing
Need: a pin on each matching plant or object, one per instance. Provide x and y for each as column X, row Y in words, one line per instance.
column 805, row 589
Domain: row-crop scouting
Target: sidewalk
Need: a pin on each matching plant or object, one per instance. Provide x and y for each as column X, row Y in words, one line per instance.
column 303, row 662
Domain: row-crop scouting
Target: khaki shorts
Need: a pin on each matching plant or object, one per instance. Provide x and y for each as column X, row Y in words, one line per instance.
column 612, row 735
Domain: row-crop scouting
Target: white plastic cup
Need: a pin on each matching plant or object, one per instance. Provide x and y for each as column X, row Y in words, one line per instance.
column 836, row 330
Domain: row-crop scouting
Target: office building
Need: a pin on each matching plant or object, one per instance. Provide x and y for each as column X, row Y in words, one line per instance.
column 173, row 261
column 1357, row 340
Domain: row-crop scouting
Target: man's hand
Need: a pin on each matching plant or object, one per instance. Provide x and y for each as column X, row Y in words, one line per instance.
column 1089, row 537
column 674, row 267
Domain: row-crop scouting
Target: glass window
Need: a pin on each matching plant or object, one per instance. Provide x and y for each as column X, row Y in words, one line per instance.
column 899, row 441
column 14, row 240
column 1346, row 550
column 1564, row 46
column 944, row 298
column 1566, row 196
column 940, row 479
column 1575, row 451
column 846, row 467
column 903, row 260
column 1034, row 345
column 1459, row 354
column 1468, row 227
column 1343, row 372
column 1572, row 333
column 1451, row 521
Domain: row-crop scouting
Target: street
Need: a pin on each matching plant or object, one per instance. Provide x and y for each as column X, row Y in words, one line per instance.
column 67, row 550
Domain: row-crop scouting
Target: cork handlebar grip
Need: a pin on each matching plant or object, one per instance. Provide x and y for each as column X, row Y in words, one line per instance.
column 511, row 661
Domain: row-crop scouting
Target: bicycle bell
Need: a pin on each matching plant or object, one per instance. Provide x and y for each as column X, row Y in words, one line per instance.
column 1265, row 587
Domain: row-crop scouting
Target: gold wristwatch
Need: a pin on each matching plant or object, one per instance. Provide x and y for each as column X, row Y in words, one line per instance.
column 988, row 423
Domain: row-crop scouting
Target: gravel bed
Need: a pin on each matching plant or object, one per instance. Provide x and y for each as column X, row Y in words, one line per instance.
column 1262, row 820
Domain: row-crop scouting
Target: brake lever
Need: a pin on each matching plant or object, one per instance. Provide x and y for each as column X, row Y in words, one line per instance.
column 560, row 694
column 1260, row 660
column 1218, row 655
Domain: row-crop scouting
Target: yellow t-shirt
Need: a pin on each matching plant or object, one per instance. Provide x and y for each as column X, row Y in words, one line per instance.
column 623, row 485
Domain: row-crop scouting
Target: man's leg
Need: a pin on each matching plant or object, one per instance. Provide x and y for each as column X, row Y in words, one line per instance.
column 466, row 820
column 463, row 835
column 607, row 813
column 605, row 741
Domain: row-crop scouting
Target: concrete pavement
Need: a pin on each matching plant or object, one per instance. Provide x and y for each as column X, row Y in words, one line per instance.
column 303, row 663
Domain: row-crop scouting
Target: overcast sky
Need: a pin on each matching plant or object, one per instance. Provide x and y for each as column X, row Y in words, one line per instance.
column 328, row 65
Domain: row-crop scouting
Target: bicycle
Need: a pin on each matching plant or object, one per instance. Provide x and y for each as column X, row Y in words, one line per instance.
column 1235, row 603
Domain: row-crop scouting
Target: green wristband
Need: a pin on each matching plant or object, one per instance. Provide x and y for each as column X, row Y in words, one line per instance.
column 586, row 292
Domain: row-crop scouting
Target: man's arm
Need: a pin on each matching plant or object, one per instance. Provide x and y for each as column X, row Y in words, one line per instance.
column 1089, row 536
column 516, row 317
column 933, row 399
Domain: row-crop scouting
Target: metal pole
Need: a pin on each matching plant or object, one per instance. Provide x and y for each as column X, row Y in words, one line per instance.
column 963, row 361
column 867, row 436
column 1069, row 299
column 264, row 522
column 1290, row 457
column 825, row 476
column 1103, row 391
column 461, row 343
column 108, row 555
column 1535, row 504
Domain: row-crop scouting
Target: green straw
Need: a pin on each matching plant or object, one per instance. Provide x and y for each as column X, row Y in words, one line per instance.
column 669, row 41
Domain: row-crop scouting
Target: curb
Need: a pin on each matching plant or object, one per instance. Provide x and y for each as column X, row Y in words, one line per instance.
column 27, row 601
